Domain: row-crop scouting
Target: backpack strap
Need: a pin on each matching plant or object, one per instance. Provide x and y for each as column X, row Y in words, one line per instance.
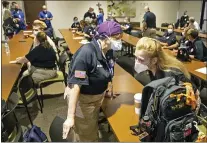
column 149, row 89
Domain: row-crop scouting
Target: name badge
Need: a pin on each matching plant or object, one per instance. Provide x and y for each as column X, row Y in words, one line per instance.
column 46, row 15
column 20, row 16
column 167, row 37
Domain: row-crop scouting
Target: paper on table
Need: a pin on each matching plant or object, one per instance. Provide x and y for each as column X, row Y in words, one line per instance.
column 202, row 70
column 78, row 38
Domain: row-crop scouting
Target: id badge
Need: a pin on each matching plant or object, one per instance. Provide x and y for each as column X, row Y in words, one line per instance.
column 45, row 15
column 167, row 37
column 20, row 16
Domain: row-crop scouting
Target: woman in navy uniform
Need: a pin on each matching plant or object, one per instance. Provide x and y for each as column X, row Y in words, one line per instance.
column 89, row 74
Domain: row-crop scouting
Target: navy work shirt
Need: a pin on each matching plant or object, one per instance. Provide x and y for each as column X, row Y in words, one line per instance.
column 46, row 14
column 90, row 69
column 150, row 19
column 169, row 38
column 90, row 15
column 19, row 14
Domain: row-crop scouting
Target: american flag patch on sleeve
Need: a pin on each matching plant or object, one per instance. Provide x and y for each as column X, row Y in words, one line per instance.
column 80, row 74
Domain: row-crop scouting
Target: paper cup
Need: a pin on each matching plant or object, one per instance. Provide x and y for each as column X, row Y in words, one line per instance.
column 137, row 102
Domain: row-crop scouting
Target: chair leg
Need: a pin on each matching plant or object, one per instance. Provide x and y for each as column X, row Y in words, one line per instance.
column 30, row 119
column 41, row 96
column 39, row 102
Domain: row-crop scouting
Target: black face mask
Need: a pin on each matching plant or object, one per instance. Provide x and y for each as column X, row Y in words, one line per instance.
column 16, row 9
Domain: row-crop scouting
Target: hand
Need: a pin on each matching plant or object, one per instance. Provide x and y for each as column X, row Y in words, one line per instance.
column 67, row 92
column 13, row 62
column 67, row 125
column 18, row 19
column 18, row 58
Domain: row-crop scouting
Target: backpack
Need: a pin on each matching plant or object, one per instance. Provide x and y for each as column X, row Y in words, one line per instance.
column 204, row 53
column 169, row 114
column 183, row 55
column 34, row 135
column 8, row 27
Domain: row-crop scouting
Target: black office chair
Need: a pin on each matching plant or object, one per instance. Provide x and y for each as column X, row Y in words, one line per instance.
column 56, row 131
column 27, row 93
column 203, row 96
column 64, row 57
column 11, row 129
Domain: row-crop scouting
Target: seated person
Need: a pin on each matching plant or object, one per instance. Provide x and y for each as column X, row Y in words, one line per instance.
column 148, row 32
column 193, row 24
column 76, row 23
column 9, row 26
column 169, row 38
column 149, row 56
column 183, row 42
column 200, row 52
column 42, row 59
column 83, row 24
column 18, row 15
column 127, row 27
column 89, row 33
column 39, row 26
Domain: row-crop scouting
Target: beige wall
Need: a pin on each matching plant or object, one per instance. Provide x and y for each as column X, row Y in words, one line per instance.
column 165, row 11
column 64, row 11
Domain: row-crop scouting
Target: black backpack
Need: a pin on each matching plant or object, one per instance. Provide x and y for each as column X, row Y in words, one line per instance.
column 9, row 27
column 183, row 55
column 167, row 115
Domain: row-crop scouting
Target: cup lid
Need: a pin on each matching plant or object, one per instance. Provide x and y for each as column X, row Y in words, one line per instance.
column 138, row 96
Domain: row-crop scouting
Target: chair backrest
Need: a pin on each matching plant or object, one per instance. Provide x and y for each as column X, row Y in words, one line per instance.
column 9, row 120
column 62, row 60
column 56, row 130
column 25, row 85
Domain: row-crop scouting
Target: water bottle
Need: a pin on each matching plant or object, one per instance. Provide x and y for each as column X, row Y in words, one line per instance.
column 7, row 48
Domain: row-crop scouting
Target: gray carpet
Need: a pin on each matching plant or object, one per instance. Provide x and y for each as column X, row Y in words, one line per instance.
column 55, row 106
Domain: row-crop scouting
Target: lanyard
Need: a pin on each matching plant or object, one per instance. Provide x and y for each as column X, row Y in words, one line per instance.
column 110, row 64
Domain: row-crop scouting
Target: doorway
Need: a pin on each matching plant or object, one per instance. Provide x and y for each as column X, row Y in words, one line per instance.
column 32, row 9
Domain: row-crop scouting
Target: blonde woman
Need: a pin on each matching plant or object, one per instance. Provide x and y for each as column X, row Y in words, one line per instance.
column 150, row 56
column 42, row 59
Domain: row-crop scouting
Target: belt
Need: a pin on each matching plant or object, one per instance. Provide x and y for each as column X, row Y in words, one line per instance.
column 46, row 68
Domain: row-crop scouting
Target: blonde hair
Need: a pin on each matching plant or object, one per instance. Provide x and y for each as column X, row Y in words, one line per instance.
column 164, row 61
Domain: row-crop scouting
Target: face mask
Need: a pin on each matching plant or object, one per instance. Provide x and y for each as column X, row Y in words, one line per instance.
column 35, row 33
column 170, row 31
column 138, row 67
column 116, row 45
column 45, row 11
column 75, row 21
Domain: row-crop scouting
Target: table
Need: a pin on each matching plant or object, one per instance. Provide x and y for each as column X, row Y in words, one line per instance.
column 201, row 35
column 119, row 111
column 191, row 66
column 10, row 72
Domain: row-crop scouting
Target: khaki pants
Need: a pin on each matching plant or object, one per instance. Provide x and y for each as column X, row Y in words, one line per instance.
column 86, row 119
column 39, row 75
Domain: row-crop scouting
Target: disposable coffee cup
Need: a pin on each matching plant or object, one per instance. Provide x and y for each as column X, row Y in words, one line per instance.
column 137, row 102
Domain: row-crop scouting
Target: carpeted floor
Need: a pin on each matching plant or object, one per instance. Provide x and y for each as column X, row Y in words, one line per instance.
column 55, row 105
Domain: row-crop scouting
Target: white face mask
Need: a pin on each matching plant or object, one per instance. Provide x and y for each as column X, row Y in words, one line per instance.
column 35, row 33
column 169, row 31
column 138, row 67
column 116, row 45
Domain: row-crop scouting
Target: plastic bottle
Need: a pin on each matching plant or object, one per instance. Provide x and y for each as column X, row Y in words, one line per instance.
column 7, row 50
